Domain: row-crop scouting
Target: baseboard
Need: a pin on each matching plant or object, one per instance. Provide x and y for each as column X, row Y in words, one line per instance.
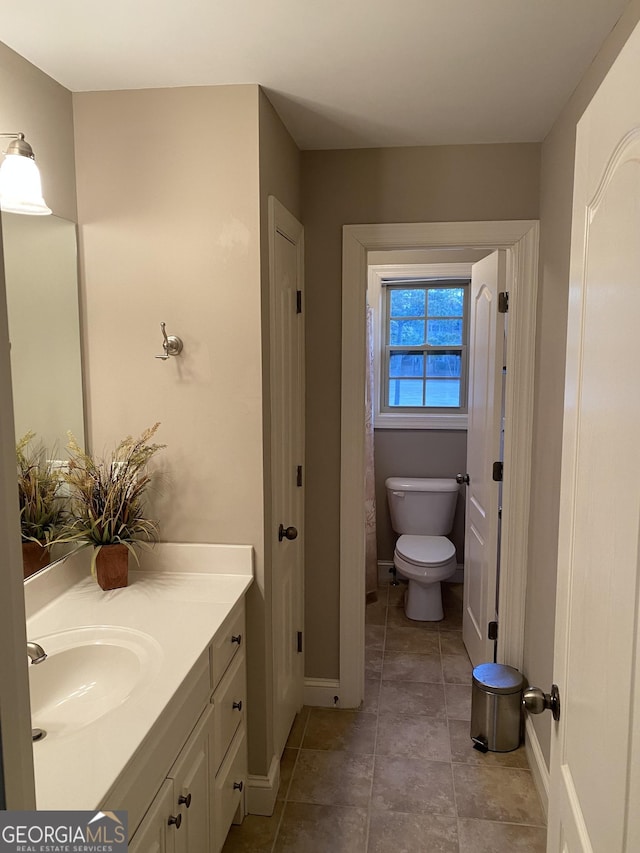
column 322, row 692
column 384, row 574
column 263, row 790
column 537, row 764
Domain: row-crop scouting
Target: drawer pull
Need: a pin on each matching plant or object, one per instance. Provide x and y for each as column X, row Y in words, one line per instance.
column 237, row 706
column 175, row 820
column 236, row 638
column 238, row 786
column 185, row 800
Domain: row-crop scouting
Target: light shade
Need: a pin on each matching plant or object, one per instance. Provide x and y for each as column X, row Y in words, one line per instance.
column 20, row 186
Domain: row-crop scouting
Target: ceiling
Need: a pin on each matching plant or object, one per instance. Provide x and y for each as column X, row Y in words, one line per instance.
column 341, row 73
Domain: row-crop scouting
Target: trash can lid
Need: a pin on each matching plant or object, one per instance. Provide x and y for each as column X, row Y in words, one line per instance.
column 498, row 677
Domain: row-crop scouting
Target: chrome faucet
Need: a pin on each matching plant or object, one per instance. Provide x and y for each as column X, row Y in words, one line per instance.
column 36, row 653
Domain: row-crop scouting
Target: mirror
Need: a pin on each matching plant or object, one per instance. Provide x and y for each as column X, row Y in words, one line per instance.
column 41, row 272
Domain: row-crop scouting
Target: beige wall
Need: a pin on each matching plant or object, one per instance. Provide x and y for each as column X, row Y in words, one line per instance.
column 417, row 453
column 169, row 219
column 34, row 104
column 558, row 153
column 445, row 183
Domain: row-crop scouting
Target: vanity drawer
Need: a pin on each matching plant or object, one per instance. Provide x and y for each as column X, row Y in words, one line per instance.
column 229, row 703
column 226, row 643
column 229, row 790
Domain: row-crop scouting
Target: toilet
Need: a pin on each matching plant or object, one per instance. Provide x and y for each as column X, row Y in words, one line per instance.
column 422, row 511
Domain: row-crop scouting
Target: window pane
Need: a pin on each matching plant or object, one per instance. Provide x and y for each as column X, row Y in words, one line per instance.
column 443, row 392
column 442, row 333
column 446, row 302
column 407, row 364
column 407, row 303
column 408, row 332
column 405, row 392
column 443, row 364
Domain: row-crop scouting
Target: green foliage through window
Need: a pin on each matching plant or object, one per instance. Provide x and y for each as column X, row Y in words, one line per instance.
column 425, row 341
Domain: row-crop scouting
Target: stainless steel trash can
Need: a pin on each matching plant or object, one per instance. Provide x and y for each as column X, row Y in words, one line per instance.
column 496, row 707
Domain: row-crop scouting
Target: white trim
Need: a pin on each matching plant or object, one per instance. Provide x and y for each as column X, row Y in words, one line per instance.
column 262, row 791
column 321, row 692
column 537, row 764
column 377, row 273
column 389, row 420
column 520, row 238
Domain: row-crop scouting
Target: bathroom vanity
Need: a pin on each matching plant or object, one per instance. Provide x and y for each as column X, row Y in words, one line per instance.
column 143, row 695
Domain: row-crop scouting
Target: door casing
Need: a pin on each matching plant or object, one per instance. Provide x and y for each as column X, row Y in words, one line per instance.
column 520, row 239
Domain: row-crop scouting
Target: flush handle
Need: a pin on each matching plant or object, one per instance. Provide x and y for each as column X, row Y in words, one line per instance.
column 462, row 479
column 287, row 533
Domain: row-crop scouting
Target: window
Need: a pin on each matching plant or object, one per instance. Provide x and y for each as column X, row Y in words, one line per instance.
column 425, row 346
column 421, row 330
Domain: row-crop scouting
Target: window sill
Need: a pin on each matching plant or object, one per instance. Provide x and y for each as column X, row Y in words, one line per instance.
column 391, row 420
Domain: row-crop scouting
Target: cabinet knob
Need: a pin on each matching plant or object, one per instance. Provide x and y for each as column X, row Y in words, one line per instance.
column 185, row 800
column 237, row 706
column 236, row 638
column 238, row 786
column 175, row 820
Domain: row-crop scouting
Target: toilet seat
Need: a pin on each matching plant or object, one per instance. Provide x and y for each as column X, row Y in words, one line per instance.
column 425, row 550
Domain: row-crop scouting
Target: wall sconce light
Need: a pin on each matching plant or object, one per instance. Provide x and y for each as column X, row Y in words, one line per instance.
column 20, row 186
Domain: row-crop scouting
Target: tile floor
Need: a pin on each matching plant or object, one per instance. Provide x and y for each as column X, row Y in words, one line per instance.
column 399, row 775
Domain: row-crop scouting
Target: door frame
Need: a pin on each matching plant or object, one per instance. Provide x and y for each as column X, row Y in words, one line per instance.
column 520, row 238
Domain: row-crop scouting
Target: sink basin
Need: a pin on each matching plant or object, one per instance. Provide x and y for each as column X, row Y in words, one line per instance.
column 89, row 672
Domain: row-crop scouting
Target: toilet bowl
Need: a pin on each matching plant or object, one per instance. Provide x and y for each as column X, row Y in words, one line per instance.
column 424, row 561
column 422, row 511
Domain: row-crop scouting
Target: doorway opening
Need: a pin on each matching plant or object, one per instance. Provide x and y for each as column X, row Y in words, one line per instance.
column 519, row 239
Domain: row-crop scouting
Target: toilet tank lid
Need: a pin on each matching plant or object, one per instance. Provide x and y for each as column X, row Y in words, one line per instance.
column 420, row 484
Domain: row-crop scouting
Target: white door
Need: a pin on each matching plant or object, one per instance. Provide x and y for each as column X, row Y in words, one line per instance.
column 595, row 750
column 287, row 458
column 486, row 341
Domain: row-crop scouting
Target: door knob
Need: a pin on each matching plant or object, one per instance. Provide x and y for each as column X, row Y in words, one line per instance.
column 185, row 800
column 287, row 533
column 536, row 701
column 175, row 820
column 462, row 479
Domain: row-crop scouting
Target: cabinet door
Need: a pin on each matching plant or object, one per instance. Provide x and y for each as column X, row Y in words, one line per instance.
column 155, row 835
column 193, row 789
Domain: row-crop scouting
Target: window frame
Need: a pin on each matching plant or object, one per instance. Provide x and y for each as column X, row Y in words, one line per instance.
column 380, row 276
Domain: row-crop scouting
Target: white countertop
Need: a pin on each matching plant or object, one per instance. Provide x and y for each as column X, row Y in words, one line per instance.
column 180, row 610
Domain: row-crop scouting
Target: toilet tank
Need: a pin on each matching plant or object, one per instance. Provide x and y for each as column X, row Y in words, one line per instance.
column 422, row 506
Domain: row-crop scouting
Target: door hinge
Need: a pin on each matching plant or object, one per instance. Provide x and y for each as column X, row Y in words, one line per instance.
column 298, row 302
column 299, row 642
column 503, row 302
column 492, row 633
column 497, row 471
column 299, row 476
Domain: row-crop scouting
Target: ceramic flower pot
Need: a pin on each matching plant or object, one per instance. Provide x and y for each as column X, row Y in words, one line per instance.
column 34, row 557
column 112, row 566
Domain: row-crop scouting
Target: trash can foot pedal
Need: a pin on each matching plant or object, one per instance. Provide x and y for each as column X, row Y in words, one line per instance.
column 480, row 743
